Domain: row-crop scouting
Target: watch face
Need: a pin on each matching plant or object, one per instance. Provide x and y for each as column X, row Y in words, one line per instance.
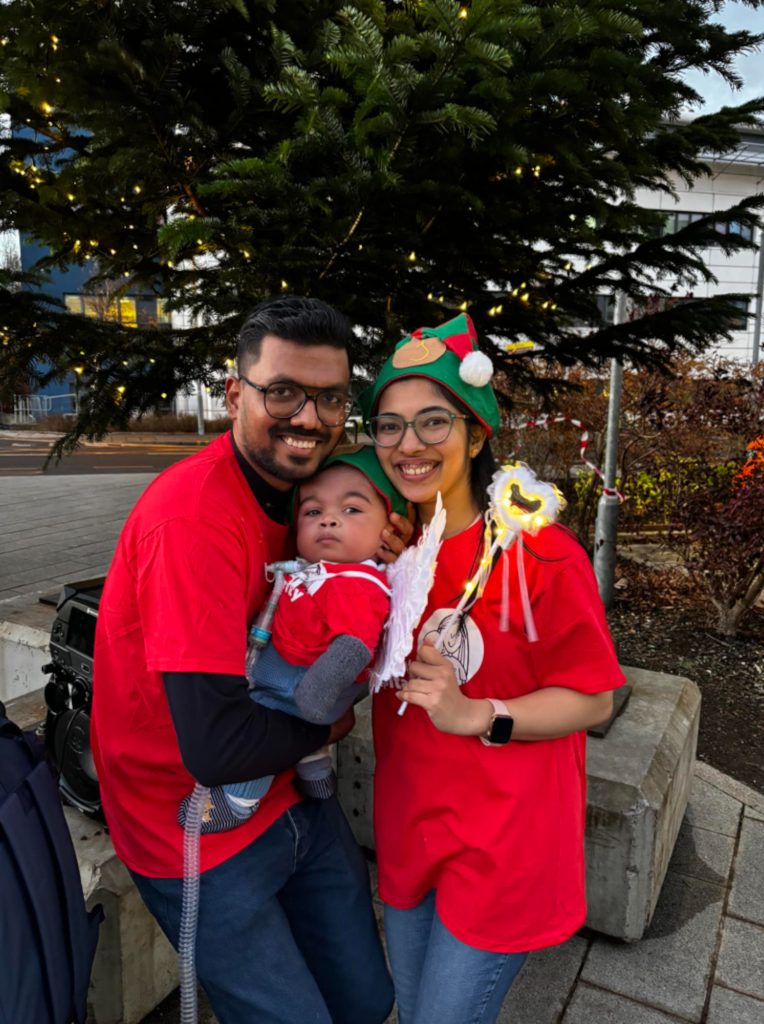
column 501, row 730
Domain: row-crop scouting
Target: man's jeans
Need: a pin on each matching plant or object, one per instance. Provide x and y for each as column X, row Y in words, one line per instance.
column 286, row 931
column 440, row 980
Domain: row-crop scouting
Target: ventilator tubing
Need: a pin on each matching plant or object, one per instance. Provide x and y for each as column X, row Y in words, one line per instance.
column 189, row 913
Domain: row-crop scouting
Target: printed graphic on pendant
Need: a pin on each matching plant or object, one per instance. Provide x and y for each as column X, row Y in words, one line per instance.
column 465, row 649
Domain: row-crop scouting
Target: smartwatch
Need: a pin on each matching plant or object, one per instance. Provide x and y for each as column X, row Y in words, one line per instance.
column 499, row 730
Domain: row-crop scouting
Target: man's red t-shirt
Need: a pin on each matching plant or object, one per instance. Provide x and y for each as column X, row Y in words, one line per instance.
column 497, row 831
column 185, row 582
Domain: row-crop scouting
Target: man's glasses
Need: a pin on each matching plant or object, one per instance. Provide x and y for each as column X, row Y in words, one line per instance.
column 284, row 400
column 431, row 427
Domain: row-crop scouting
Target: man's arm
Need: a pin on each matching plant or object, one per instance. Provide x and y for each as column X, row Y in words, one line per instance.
column 226, row 737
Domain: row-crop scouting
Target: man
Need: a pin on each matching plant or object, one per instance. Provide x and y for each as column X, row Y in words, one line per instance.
column 286, row 931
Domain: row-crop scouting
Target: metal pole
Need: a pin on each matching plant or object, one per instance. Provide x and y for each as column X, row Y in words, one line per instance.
column 199, row 408
column 759, row 300
column 606, row 526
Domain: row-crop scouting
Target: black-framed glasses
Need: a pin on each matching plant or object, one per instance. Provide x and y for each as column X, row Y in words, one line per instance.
column 284, row 400
column 431, row 427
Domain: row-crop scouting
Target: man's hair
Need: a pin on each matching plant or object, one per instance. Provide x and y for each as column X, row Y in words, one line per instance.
column 300, row 320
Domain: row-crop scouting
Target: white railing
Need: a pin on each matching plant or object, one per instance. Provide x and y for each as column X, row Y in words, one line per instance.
column 32, row 408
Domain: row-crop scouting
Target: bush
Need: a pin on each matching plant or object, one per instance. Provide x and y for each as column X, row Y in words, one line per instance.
column 690, row 463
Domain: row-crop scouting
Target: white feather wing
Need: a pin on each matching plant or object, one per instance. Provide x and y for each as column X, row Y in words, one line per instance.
column 411, row 579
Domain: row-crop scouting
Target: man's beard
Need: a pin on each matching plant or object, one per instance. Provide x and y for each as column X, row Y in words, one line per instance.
column 266, row 459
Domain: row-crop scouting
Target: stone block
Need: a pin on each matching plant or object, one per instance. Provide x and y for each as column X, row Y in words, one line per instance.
column 355, row 777
column 23, row 652
column 639, row 778
column 135, row 967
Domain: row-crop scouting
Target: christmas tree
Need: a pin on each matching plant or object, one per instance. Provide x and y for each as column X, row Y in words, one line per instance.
column 400, row 160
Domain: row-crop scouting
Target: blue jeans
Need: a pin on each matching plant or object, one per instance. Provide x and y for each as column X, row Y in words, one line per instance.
column 438, row 979
column 286, row 931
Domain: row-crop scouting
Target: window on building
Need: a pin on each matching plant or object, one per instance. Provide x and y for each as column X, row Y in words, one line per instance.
column 130, row 311
column 741, row 324
column 679, row 219
column 606, row 308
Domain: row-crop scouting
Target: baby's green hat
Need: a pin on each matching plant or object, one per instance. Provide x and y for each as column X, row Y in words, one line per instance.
column 364, row 458
column 447, row 355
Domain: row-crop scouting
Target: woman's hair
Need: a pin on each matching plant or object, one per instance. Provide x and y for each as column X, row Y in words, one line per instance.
column 483, row 465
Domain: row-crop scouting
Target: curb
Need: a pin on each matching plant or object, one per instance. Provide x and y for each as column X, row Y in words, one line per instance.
column 118, row 437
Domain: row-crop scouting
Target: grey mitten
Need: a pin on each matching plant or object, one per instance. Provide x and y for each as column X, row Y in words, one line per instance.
column 329, row 686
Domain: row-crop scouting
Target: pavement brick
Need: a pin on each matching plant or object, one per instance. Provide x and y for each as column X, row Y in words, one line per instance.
column 747, row 897
column 741, row 958
column 670, row 968
column 700, row 853
column 711, row 809
column 728, row 1007
column 593, row 1006
column 544, row 984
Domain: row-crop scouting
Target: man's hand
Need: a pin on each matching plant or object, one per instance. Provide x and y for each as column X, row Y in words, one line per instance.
column 396, row 535
column 342, row 726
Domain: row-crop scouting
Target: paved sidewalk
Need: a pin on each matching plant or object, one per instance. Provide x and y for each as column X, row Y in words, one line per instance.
column 701, row 961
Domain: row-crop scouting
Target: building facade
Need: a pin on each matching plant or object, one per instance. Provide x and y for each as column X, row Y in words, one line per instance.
column 734, row 176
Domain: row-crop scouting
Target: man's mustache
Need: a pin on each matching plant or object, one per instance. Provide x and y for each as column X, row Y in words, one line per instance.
column 316, row 435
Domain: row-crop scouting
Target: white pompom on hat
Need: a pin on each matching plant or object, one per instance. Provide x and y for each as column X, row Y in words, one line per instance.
column 476, row 369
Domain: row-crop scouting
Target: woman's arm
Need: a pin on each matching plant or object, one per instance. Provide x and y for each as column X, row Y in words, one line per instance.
column 541, row 715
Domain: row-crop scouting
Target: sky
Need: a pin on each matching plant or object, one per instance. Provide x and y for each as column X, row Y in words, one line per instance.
column 714, row 90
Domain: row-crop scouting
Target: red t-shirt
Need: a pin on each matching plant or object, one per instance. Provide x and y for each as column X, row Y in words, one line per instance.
column 498, row 832
column 325, row 601
column 185, row 582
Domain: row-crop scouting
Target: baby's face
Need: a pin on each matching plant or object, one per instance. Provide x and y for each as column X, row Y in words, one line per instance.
column 340, row 517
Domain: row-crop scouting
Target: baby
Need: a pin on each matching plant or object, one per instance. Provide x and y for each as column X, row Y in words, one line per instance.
column 328, row 619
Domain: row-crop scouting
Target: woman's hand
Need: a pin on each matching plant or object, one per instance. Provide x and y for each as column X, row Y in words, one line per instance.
column 432, row 685
column 395, row 536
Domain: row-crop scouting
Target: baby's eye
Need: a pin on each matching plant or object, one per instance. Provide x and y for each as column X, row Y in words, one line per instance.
column 311, row 512
column 350, row 510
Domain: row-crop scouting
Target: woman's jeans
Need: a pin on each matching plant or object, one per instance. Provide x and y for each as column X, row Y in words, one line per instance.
column 438, row 979
column 286, row 931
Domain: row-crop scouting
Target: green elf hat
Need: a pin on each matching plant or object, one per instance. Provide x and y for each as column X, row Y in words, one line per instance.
column 447, row 355
column 364, row 458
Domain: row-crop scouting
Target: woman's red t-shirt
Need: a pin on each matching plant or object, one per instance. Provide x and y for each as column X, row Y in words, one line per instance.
column 498, row 832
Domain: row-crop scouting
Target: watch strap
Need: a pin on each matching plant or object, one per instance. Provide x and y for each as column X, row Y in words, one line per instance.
column 499, row 709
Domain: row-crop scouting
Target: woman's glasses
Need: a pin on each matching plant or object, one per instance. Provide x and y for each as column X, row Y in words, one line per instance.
column 431, row 427
column 284, row 400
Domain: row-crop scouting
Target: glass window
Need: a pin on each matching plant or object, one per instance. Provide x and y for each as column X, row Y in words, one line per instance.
column 735, row 228
column 741, row 324
column 127, row 312
column 683, row 219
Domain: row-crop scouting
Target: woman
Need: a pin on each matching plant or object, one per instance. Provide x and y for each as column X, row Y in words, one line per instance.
column 480, row 787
